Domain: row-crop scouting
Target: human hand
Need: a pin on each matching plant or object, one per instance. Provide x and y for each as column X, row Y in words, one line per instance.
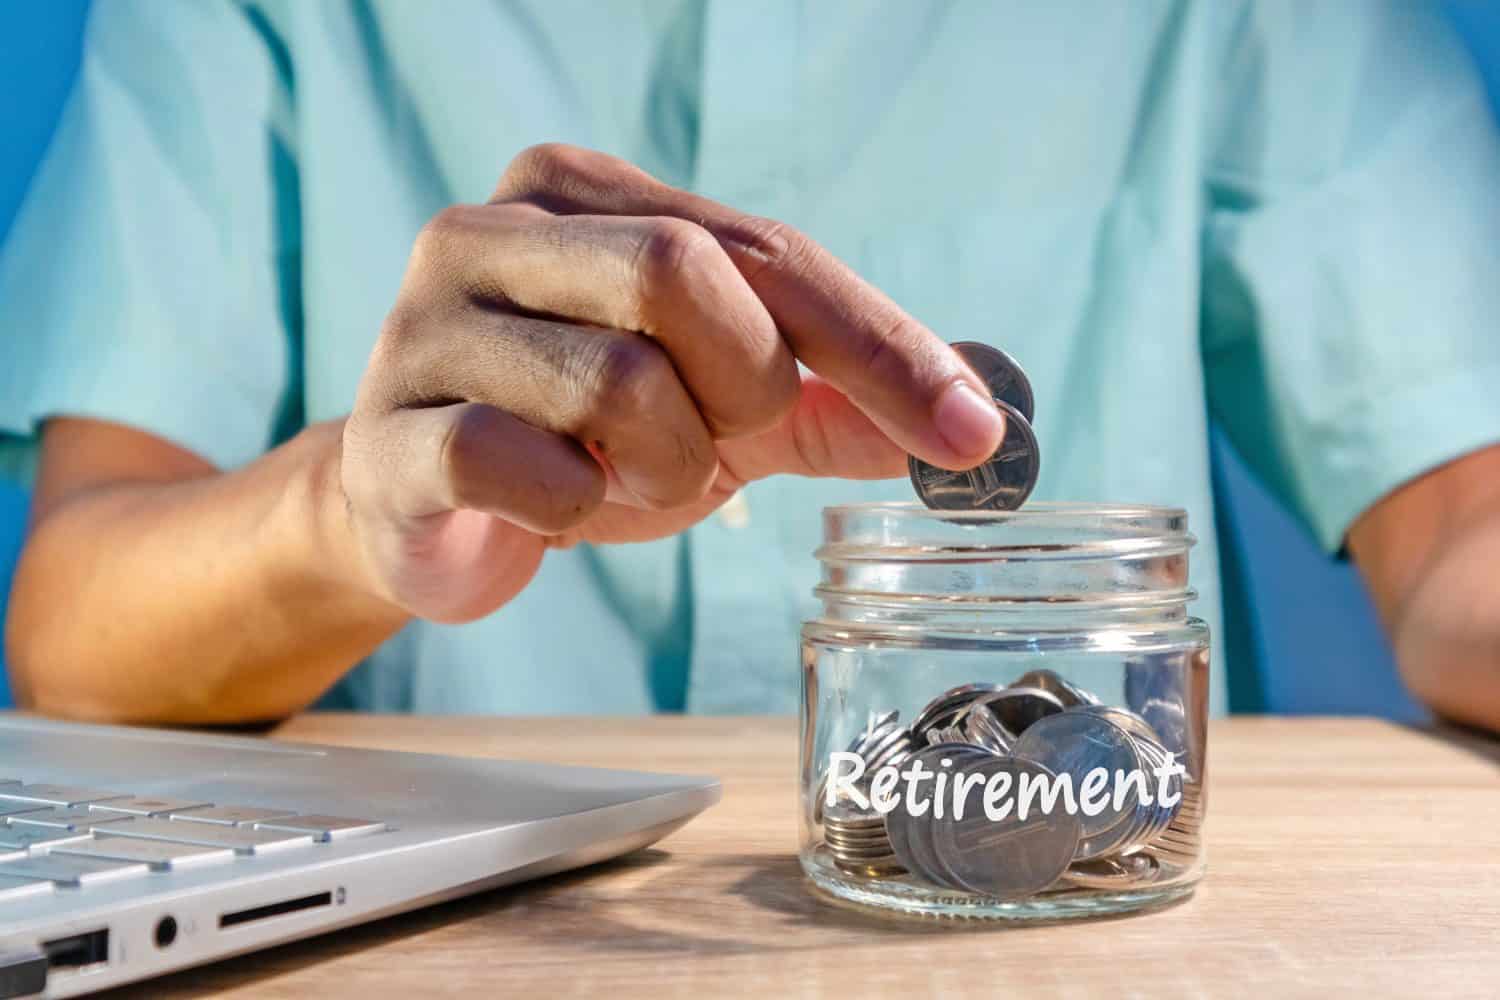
column 594, row 355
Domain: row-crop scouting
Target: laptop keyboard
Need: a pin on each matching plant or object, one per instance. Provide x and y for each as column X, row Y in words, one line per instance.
column 62, row 837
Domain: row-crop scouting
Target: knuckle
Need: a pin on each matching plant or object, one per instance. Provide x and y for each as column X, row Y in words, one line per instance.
column 402, row 325
column 546, row 166
column 402, row 353
column 628, row 374
column 444, row 240
column 774, row 245
column 382, row 386
column 669, row 251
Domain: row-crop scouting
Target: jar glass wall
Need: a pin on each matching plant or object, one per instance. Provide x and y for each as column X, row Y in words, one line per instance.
column 1004, row 713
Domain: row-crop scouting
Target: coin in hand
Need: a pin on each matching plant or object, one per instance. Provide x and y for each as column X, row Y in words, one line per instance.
column 1002, row 482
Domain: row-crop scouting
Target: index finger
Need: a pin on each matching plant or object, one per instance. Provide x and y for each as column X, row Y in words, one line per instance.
column 899, row 373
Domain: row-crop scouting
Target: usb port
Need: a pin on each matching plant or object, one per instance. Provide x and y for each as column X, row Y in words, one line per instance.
column 79, row 951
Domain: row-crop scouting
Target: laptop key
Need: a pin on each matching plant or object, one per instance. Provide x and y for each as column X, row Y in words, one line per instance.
column 146, row 806
column 324, row 827
column 231, row 815
column 76, row 818
column 13, row 887
column 159, row 854
column 20, row 838
column 242, row 840
column 72, row 872
column 59, row 795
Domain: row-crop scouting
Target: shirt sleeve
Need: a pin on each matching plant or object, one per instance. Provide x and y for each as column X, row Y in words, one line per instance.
column 1351, row 296
column 150, row 276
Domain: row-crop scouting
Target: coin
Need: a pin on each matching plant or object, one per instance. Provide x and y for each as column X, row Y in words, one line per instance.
column 883, row 741
column 982, row 726
column 949, row 734
column 945, row 709
column 1018, row 707
column 911, row 836
column 1055, row 684
column 857, row 840
column 999, row 371
column 1158, row 692
column 1009, row 858
column 1001, row 482
column 1124, row 718
column 1115, row 874
column 1075, row 743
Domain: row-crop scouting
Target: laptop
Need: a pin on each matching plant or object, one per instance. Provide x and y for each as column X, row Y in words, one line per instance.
column 126, row 854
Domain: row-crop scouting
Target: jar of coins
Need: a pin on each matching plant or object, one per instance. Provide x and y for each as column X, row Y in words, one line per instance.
column 1004, row 711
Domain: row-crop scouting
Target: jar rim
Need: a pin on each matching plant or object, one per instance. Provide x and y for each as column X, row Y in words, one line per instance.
column 1036, row 511
column 1109, row 557
column 1049, row 530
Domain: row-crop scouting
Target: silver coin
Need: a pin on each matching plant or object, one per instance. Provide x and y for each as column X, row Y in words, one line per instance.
column 946, row 734
column 876, row 745
column 911, row 836
column 1001, row 482
column 1158, row 693
column 1005, row 379
column 853, row 846
column 1008, row 858
column 982, row 726
column 1155, row 818
column 869, row 869
column 845, row 814
column 945, row 709
column 1055, row 684
column 1125, row 719
column 1018, row 707
column 1074, row 743
column 879, row 747
column 1115, row 874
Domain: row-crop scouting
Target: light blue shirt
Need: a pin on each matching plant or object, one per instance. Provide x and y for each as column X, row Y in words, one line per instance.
column 1284, row 216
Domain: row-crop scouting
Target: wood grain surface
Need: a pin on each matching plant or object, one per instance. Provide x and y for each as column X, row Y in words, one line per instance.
column 1345, row 857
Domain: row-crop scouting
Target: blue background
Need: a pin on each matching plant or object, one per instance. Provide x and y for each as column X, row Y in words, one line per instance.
column 1302, row 619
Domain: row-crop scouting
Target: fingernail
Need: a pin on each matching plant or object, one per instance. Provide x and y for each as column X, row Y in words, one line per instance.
column 968, row 422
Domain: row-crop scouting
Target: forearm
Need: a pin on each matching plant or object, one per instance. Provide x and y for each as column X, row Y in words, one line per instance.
column 231, row 598
column 1446, row 632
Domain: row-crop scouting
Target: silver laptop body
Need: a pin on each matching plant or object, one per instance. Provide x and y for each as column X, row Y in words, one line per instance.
column 126, row 853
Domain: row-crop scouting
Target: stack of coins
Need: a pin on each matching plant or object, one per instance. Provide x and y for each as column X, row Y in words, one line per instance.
column 1006, row 479
column 1041, row 726
column 856, row 837
column 858, row 841
column 1183, row 839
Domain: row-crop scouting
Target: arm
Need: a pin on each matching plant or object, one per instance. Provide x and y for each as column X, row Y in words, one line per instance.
column 153, row 588
column 1430, row 553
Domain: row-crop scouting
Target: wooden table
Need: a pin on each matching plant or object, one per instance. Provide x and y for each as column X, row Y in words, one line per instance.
column 1345, row 857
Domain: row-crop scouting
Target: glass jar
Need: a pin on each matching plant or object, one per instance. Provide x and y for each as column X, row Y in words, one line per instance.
column 1004, row 713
